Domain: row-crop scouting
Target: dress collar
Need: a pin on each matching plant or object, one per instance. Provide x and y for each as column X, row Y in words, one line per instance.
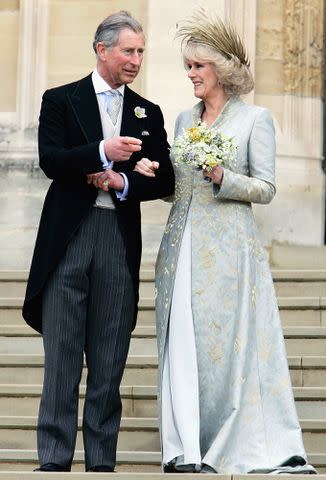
column 226, row 110
column 100, row 85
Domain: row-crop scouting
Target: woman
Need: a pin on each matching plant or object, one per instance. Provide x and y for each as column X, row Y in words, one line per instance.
column 225, row 395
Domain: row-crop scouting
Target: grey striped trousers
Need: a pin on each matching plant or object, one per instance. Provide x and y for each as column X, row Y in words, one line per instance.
column 88, row 308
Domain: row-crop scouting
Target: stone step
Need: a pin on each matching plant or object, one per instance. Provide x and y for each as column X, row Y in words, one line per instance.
column 296, row 289
column 294, row 311
column 137, row 424
column 147, row 302
column 13, row 282
column 298, row 341
column 288, row 282
column 148, row 330
column 140, row 370
column 306, row 371
column 297, row 256
column 147, row 274
column 133, row 435
column 139, row 345
column 141, row 400
column 16, row 289
column 27, row 459
column 146, row 289
column 12, row 317
column 131, row 469
column 136, row 434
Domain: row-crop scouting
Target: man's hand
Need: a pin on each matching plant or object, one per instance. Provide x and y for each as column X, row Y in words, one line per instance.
column 106, row 180
column 120, row 149
column 146, row 167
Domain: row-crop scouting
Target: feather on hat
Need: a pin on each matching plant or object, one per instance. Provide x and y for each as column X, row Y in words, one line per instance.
column 208, row 29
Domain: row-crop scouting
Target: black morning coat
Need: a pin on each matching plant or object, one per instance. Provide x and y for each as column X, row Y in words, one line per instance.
column 69, row 135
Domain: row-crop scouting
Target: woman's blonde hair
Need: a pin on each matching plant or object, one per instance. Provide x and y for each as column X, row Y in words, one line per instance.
column 206, row 38
column 235, row 77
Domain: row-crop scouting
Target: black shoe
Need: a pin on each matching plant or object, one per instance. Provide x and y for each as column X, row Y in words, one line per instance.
column 294, row 462
column 52, row 467
column 100, row 468
column 170, row 468
column 300, row 465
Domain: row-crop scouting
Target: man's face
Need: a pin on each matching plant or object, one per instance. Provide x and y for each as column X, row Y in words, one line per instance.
column 120, row 64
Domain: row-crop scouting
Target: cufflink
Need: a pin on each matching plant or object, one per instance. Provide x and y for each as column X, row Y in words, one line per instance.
column 144, row 133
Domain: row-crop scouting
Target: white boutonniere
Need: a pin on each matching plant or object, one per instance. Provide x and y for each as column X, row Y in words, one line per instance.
column 140, row 112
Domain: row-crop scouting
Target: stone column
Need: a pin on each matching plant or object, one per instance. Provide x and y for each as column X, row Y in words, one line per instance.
column 9, row 33
column 19, row 147
column 32, row 60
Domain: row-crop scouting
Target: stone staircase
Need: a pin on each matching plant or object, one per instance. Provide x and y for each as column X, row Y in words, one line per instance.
column 302, row 301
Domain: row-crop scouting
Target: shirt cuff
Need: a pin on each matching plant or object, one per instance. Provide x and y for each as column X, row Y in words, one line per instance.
column 104, row 160
column 123, row 195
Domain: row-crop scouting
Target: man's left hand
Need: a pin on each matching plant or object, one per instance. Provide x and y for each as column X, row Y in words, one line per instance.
column 106, row 180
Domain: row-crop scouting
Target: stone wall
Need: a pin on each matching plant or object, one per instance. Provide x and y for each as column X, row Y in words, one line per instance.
column 289, row 67
column 71, row 30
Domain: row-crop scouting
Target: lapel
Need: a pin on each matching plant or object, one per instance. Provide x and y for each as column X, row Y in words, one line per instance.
column 84, row 103
column 130, row 124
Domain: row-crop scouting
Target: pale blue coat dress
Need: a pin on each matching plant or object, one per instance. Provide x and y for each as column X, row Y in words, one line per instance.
column 225, row 395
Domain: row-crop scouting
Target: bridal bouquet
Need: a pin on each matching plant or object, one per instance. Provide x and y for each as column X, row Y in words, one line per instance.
column 203, row 147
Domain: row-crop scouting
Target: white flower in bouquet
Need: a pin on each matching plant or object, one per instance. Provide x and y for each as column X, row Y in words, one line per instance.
column 203, row 147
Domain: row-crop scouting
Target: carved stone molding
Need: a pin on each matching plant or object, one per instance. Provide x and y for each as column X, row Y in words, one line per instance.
column 32, row 60
column 243, row 14
column 303, row 47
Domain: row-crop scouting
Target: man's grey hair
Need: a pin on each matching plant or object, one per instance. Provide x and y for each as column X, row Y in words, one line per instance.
column 108, row 31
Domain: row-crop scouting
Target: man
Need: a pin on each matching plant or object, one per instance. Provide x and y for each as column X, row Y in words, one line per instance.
column 82, row 291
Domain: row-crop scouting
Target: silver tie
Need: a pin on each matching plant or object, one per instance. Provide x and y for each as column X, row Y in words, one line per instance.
column 114, row 99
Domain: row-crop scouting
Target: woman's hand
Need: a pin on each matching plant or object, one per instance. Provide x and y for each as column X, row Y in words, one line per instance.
column 146, row 167
column 216, row 174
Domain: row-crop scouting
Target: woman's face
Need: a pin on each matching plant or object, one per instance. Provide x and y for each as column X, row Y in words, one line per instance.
column 203, row 76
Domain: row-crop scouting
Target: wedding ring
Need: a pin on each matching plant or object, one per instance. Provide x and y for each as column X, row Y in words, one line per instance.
column 106, row 183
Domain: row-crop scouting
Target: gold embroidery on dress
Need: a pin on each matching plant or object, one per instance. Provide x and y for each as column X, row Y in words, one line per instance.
column 281, row 386
column 249, row 417
column 215, row 326
column 254, row 398
column 253, row 295
column 264, row 349
column 216, row 351
column 239, row 381
column 255, row 248
column 223, row 463
column 238, row 345
column 208, row 258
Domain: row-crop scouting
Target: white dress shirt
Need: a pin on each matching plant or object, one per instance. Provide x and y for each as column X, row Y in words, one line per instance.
column 104, row 199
